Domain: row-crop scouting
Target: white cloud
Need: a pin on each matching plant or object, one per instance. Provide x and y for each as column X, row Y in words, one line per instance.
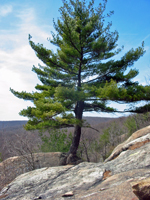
column 16, row 53
column 29, row 25
column 9, row 104
column 5, row 10
column 16, row 61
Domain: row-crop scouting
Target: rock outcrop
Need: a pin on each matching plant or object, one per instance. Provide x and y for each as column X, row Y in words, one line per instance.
column 142, row 189
column 136, row 140
column 14, row 166
column 113, row 179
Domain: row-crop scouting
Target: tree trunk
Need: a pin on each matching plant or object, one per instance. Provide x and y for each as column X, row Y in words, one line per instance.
column 72, row 154
column 76, row 140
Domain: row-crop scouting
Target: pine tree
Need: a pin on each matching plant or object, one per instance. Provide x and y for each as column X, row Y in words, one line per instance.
column 81, row 76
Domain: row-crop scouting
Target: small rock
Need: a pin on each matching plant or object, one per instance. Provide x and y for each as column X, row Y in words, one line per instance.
column 106, row 174
column 101, row 189
column 38, row 198
column 68, row 194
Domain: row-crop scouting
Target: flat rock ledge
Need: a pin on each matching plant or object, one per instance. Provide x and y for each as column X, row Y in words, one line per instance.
column 112, row 179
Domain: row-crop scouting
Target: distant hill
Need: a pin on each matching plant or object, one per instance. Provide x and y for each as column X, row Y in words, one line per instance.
column 97, row 120
column 11, row 124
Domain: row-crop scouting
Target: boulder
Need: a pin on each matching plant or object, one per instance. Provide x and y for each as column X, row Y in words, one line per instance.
column 112, row 179
column 142, row 189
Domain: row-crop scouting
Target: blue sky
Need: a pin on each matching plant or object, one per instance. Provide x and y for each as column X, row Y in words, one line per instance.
column 19, row 18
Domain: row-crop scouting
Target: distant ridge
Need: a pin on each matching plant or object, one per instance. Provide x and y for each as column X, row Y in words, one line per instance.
column 97, row 120
column 11, row 124
column 19, row 123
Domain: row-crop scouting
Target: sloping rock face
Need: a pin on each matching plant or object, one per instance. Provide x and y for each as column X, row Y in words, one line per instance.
column 136, row 140
column 14, row 166
column 112, row 179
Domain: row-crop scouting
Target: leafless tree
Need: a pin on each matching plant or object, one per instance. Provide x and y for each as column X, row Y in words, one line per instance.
column 25, row 146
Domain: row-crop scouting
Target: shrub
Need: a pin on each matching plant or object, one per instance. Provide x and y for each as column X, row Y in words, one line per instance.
column 56, row 141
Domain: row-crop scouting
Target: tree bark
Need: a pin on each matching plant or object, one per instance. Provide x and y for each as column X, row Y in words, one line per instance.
column 72, row 154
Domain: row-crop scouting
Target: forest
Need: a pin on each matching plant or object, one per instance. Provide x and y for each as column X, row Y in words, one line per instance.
column 95, row 145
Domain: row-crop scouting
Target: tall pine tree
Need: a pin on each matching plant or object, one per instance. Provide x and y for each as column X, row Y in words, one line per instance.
column 81, row 76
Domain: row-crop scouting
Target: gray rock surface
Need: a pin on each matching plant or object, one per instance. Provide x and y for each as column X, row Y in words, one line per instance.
column 90, row 181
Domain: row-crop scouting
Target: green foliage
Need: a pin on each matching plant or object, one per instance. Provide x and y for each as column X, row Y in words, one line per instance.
column 130, row 123
column 57, row 141
column 106, row 142
column 136, row 121
column 1, row 157
column 104, row 138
